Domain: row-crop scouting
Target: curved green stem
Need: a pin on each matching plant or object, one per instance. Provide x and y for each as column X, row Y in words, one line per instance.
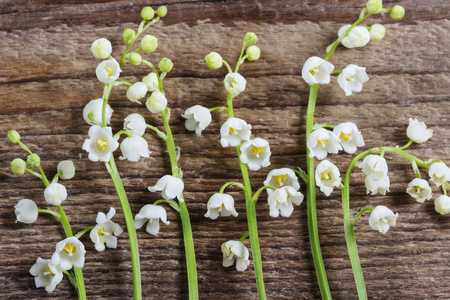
column 82, row 232
column 244, row 237
column 158, row 132
column 170, row 202
column 356, row 218
column 227, row 65
column 50, row 212
column 222, row 189
column 259, row 191
column 301, row 174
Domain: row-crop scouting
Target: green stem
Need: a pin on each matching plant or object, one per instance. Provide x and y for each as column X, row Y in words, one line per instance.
column 222, row 189
column 409, row 143
column 50, row 212
column 259, row 191
column 122, row 132
column 240, row 61
column 81, row 233
column 221, row 108
column 158, row 132
column 356, row 218
column 244, row 237
column 301, row 174
column 227, row 65
column 170, row 202
column 34, row 173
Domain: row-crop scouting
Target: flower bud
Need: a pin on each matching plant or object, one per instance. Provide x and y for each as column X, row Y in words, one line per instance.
column 253, row 53
column 135, row 59
column 13, row 136
column 156, row 103
column 162, row 11
column 33, row 160
column 101, row 48
column 136, row 92
column 397, row 12
column 213, row 60
column 374, row 6
column 377, row 32
column 18, row 166
column 26, row 211
column 165, row 65
column 149, row 43
column 151, row 80
column 147, row 13
column 250, row 38
column 128, row 34
column 66, row 169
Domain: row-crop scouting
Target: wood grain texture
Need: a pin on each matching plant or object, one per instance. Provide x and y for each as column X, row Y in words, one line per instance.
column 47, row 77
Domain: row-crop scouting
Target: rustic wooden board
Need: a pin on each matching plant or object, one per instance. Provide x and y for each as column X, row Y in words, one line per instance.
column 47, row 77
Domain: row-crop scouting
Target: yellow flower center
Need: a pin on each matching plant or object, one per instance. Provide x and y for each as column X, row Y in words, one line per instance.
column 101, row 145
column 322, row 143
column 351, row 78
column 101, row 231
column 257, row 151
column 418, row 189
column 49, row 272
column 109, row 71
column 70, row 249
column 280, row 179
column 345, row 137
column 283, row 201
column 232, row 131
column 324, row 176
column 314, row 71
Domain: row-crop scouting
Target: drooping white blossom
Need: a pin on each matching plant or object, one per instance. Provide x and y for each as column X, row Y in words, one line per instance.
column 358, row 36
column 442, row 204
column 151, row 80
column 133, row 148
column 439, row 173
column 281, row 178
column 220, row 204
column 255, row 154
column 106, row 231
column 137, row 91
column 135, row 124
column 349, row 137
column 26, row 211
column 235, row 83
column 55, row 193
column 317, row 70
column 101, row 143
column 157, row 102
column 69, row 252
column 101, row 48
column 108, row 71
column 352, row 78
column 281, row 200
column 234, row 131
column 152, row 214
column 197, row 118
column 171, row 187
column 382, row 218
column 374, row 166
column 418, row 132
column 380, row 186
column 46, row 274
column 235, row 251
column 66, row 168
column 92, row 112
column 321, row 142
column 327, row 177
column 419, row 189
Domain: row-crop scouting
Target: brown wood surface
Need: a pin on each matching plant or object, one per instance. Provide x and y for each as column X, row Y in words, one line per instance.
column 47, row 77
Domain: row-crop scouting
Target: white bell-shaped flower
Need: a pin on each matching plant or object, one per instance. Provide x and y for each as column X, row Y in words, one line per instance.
column 327, row 177
column 358, row 36
column 220, row 204
column 133, row 148
column 92, row 112
column 442, row 204
column 317, row 70
column 382, row 218
column 151, row 80
column 374, row 166
column 235, row 251
column 170, row 186
column 352, row 78
column 321, row 142
column 234, row 131
column 69, row 252
column 152, row 214
column 26, row 211
column 101, row 48
column 281, row 200
column 255, row 154
column 281, row 178
column 136, row 92
column 66, row 168
column 418, row 132
column 55, row 193
column 135, row 124
column 46, row 274
column 106, row 231
column 101, row 143
column 380, row 186
column 349, row 137
column 439, row 173
column 108, row 71
column 197, row 118
column 419, row 189
column 235, row 83
column 156, row 103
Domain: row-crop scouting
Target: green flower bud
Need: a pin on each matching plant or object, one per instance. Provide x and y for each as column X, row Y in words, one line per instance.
column 18, row 166
column 165, row 65
column 162, row 11
column 397, row 12
column 250, row 38
column 13, row 136
column 33, row 160
column 213, row 60
column 253, row 53
column 377, row 32
column 149, row 43
column 374, row 6
column 128, row 34
column 135, row 59
column 147, row 13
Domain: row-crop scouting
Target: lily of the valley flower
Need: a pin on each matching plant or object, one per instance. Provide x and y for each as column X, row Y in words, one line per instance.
column 352, row 78
column 439, row 173
column 101, row 144
column 170, row 186
column 152, row 214
column 442, row 204
column 46, row 274
column 66, row 168
column 418, row 132
column 26, row 211
column 419, row 189
column 235, row 251
column 92, row 112
column 374, row 166
column 358, row 36
column 235, row 83
column 321, row 142
column 281, row 178
column 135, row 124
column 105, row 231
column 220, row 204
column 255, row 154
column 55, row 193
column 133, row 148
column 108, row 71
column 136, row 92
column 349, row 137
column 69, row 252
column 382, row 218
column 327, row 177
column 157, row 102
column 281, row 200
column 380, row 186
column 101, row 48
column 317, row 70
column 151, row 80
column 197, row 118
column 234, row 131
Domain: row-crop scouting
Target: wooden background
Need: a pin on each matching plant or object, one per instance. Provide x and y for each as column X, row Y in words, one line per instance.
column 48, row 76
